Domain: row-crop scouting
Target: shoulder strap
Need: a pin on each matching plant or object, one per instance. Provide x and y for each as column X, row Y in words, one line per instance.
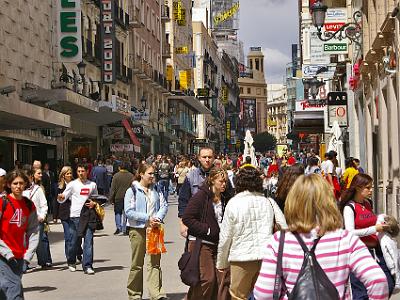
column 303, row 245
column 279, row 280
column 3, row 205
column 352, row 208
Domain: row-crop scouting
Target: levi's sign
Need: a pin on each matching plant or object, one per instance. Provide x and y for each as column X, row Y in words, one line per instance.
column 69, row 41
column 107, row 41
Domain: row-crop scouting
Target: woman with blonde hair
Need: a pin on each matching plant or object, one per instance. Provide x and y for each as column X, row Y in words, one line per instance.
column 318, row 225
column 203, row 217
column 144, row 207
column 62, row 210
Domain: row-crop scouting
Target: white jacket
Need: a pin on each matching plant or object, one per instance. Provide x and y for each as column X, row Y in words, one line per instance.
column 36, row 194
column 246, row 228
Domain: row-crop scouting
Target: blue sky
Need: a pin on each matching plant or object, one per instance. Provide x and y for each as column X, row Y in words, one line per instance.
column 272, row 25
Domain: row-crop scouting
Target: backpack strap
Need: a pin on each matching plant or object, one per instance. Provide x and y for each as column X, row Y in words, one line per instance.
column 279, row 280
column 352, row 208
column 303, row 245
column 3, row 205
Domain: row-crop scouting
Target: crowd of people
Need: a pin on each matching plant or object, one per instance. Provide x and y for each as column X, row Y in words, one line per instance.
column 247, row 227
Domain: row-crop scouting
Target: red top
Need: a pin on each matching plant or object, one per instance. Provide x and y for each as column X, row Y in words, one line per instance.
column 14, row 224
column 365, row 218
column 291, row 161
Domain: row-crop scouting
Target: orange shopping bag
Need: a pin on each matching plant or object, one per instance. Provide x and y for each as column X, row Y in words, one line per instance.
column 155, row 240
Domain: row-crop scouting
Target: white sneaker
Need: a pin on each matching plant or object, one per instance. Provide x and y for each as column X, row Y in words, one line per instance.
column 89, row 271
column 72, row 268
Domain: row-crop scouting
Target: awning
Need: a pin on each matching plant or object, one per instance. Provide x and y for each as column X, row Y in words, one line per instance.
column 309, row 121
column 132, row 135
column 192, row 102
column 16, row 114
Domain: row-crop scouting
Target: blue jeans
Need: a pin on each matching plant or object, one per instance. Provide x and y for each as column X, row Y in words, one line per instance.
column 87, row 261
column 358, row 289
column 163, row 185
column 10, row 279
column 67, row 239
column 120, row 221
column 43, row 249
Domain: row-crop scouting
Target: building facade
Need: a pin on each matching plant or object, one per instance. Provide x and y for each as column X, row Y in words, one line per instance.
column 277, row 104
column 253, row 93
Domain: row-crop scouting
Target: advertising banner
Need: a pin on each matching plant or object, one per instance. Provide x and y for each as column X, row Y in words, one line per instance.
column 185, row 79
column 113, row 133
column 121, row 147
column 334, row 20
column 249, row 114
column 69, row 31
column 107, row 27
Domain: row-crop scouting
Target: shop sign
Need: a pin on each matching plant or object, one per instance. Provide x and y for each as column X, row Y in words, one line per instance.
column 223, row 16
column 335, row 19
column 170, row 73
column 337, row 109
column 69, row 31
column 224, row 95
column 306, row 105
column 121, row 148
column 141, row 115
column 107, row 27
column 113, row 133
column 203, row 92
column 228, row 130
column 182, row 50
column 182, row 20
column 310, row 71
column 185, row 79
column 138, row 129
column 317, row 54
column 337, row 47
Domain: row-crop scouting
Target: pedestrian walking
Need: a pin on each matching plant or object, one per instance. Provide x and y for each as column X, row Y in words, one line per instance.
column 99, row 176
column 18, row 235
column 3, row 174
column 62, row 211
column 36, row 194
column 144, row 207
column 317, row 227
column 203, row 217
column 181, row 172
column 286, row 182
column 120, row 183
column 164, row 172
column 80, row 191
column 360, row 219
column 247, row 225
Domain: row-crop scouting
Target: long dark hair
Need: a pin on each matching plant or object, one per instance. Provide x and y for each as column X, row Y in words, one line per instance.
column 359, row 182
column 286, row 182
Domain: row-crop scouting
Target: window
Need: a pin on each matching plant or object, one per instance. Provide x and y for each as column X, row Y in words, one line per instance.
column 251, row 64
column 148, row 18
column 262, row 64
column 158, row 28
column 257, row 64
column 153, row 23
column 248, row 90
column 258, row 91
column 241, row 90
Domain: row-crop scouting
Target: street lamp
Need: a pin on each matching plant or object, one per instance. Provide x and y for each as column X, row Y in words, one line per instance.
column 82, row 71
column 313, row 84
column 351, row 30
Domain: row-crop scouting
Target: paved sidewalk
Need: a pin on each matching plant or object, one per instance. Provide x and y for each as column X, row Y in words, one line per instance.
column 111, row 264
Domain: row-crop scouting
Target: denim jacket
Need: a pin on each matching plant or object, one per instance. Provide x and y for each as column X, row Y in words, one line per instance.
column 135, row 205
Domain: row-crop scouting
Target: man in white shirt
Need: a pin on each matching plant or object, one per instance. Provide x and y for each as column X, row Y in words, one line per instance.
column 79, row 192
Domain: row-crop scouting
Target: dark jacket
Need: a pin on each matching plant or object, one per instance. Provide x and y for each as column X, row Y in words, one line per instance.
column 87, row 219
column 192, row 218
column 120, row 183
column 194, row 179
column 61, row 210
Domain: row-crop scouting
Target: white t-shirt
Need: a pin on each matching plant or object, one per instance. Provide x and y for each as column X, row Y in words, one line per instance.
column 79, row 192
column 327, row 167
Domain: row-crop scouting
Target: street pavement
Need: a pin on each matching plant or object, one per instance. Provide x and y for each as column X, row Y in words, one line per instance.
column 111, row 264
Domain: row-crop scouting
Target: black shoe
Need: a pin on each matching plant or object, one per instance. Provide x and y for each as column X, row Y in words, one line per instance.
column 117, row 232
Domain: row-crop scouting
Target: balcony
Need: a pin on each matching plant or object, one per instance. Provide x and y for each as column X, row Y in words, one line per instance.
column 166, row 50
column 165, row 16
column 148, row 71
column 135, row 17
column 121, row 18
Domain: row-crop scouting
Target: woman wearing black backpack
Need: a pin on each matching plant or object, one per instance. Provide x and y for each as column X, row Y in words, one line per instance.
column 314, row 259
column 360, row 219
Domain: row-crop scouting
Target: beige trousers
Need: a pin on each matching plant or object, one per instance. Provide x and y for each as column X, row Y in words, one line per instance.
column 137, row 237
column 243, row 278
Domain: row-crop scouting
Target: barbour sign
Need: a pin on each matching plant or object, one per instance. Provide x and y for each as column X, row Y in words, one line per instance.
column 338, row 47
column 69, row 41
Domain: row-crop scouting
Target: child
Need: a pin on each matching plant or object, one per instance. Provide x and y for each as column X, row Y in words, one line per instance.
column 388, row 244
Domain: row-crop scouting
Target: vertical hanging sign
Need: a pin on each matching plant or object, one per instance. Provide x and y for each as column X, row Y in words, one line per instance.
column 107, row 41
column 69, row 41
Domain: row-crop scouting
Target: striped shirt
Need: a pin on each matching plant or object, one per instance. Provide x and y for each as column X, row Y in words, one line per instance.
column 338, row 252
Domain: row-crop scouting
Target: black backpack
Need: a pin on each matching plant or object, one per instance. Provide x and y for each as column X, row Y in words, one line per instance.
column 312, row 283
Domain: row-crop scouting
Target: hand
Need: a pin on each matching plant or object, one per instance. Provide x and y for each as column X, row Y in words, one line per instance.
column 60, row 197
column 90, row 204
column 154, row 222
column 381, row 227
column 183, row 230
column 221, row 270
column 40, row 219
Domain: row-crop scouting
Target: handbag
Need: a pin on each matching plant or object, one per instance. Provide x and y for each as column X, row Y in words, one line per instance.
column 188, row 264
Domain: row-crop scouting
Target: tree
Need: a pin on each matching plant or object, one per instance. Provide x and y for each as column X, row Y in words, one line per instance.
column 264, row 141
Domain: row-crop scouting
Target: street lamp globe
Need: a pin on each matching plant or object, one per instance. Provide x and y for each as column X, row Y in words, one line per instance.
column 318, row 14
column 82, row 68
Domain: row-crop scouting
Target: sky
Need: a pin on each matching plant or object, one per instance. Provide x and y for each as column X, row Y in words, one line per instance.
column 272, row 25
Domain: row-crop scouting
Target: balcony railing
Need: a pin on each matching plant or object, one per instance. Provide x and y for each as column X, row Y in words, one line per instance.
column 135, row 17
column 165, row 16
column 121, row 18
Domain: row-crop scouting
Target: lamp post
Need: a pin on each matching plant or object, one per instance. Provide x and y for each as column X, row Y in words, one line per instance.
column 82, row 72
column 351, row 30
column 143, row 101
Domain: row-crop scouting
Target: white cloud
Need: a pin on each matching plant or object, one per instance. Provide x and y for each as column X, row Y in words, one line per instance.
column 275, row 62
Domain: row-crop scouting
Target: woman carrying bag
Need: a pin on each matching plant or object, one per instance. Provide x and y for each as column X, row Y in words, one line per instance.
column 144, row 207
column 360, row 219
column 203, row 216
